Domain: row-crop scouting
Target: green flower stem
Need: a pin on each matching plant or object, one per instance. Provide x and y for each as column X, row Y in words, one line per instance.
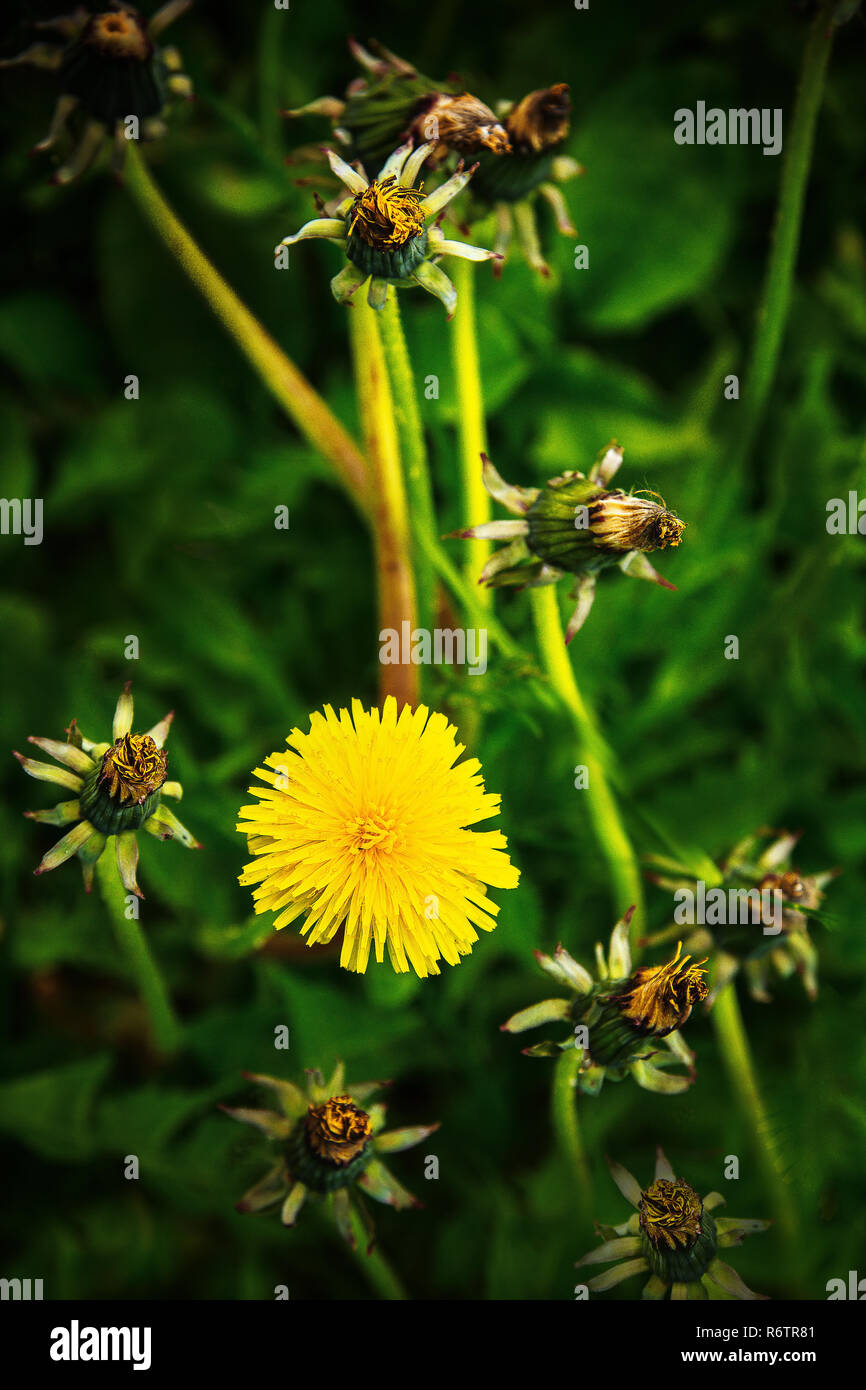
column 734, row 1047
column 279, row 374
column 566, row 1126
column 778, row 282
column 375, row 1266
column 475, row 499
column 133, row 944
column 390, row 510
column 413, row 448
column 601, row 802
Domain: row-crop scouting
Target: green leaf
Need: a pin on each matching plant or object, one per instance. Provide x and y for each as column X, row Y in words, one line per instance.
column 47, row 343
column 144, row 1120
column 657, row 217
column 51, row 1111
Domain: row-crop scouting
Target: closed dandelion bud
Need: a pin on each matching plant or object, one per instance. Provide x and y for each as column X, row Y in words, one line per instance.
column 677, row 1236
column 575, row 524
column 386, row 234
column 535, row 127
column 328, row 1149
column 540, row 121
column 109, row 68
column 393, row 102
column 674, row 1237
column 126, row 787
column 618, row 1019
column 118, row 789
column 461, row 123
column 389, row 230
column 756, row 915
column 111, row 71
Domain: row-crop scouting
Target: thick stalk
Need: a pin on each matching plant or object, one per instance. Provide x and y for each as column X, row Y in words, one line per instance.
column 475, row 499
column 390, row 510
column 779, row 278
column 737, row 1057
column 601, row 802
column 566, row 1124
column 136, row 952
column 413, row 448
column 375, row 1266
column 279, row 374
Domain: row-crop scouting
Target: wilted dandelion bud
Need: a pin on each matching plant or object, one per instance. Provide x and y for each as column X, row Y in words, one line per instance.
column 387, row 228
column 574, row 525
column 387, row 235
column 461, row 123
column 671, row 1214
column 393, row 102
column 124, row 790
column 616, row 1017
column 540, row 121
column 509, row 179
column 328, row 1147
column 755, row 915
column 659, row 998
column 653, row 1002
column 119, row 788
column 674, row 1237
column 338, row 1130
column 574, row 521
column 382, row 227
column 112, row 75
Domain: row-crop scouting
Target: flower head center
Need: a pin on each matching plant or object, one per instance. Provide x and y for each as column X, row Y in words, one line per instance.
column 461, row 122
column 540, row 121
column 119, row 35
column 387, row 215
column 792, row 885
column 627, row 521
column 671, row 1213
column 372, row 832
column 670, row 530
column 657, row 999
column 133, row 768
column 338, row 1130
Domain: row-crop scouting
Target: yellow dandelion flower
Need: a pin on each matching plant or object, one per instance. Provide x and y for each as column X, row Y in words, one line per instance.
column 365, row 824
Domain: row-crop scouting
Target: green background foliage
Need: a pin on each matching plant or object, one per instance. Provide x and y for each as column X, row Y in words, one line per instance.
column 159, row 523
